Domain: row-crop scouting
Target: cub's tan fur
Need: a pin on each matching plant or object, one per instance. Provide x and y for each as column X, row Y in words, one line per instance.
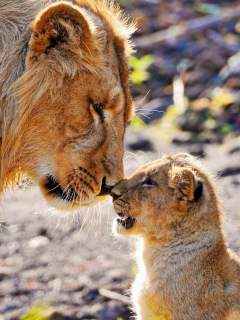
column 186, row 271
column 64, row 96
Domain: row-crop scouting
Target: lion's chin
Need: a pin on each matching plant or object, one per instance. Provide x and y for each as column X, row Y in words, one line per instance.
column 74, row 205
column 67, row 199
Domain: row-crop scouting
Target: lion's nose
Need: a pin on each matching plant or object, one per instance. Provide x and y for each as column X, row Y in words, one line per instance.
column 105, row 189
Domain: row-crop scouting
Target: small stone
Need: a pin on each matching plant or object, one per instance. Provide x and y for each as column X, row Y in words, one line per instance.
column 229, row 171
column 234, row 150
column 91, row 295
column 56, row 316
column 197, row 151
column 38, row 241
column 113, row 311
column 141, row 144
column 87, row 312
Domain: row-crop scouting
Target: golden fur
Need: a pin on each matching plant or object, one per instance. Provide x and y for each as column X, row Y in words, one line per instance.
column 186, row 271
column 64, row 96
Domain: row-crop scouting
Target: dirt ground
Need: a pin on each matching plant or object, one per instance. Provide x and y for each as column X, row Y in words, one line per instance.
column 72, row 261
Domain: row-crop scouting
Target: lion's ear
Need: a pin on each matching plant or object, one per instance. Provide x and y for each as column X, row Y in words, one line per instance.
column 185, row 184
column 60, row 30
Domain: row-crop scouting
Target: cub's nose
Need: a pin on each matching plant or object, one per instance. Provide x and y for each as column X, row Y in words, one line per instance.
column 118, row 190
column 115, row 195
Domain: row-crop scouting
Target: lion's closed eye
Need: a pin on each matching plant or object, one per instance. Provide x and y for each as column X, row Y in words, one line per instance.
column 98, row 107
column 97, row 110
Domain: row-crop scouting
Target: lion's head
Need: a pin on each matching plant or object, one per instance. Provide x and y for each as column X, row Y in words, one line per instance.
column 73, row 103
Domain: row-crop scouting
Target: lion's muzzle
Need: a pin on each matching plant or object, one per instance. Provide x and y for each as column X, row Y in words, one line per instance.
column 56, row 190
column 80, row 187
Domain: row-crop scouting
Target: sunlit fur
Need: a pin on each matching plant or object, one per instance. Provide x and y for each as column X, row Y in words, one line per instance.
column 57, row 60
column 185, row 270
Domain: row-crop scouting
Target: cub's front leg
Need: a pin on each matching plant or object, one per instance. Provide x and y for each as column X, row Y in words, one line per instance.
column 146, row 304
column 138, row 299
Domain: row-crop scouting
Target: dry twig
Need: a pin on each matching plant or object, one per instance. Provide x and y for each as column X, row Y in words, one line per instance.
column 190, row 27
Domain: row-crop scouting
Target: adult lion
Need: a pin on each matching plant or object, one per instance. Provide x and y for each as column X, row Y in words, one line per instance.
column 64, row 96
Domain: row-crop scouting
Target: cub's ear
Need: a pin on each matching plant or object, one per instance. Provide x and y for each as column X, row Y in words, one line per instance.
column 60, row 31
column 187, row 187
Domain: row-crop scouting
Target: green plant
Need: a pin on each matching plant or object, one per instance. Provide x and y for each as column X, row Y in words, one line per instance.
column 137, row 123
column 139, row 67
column 38, row 312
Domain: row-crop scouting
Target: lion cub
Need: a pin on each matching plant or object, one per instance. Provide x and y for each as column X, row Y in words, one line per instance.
column 186, row 271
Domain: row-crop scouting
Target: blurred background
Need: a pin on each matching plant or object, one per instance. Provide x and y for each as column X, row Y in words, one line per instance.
column 186, row 85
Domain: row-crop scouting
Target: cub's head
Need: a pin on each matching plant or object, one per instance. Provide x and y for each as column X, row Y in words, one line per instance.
column 164, row 198
column 73, row 103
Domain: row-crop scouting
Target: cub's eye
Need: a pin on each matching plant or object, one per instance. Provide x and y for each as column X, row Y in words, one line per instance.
column 148, row 182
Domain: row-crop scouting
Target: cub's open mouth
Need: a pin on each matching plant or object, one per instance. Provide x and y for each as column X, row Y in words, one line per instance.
column 126, row 221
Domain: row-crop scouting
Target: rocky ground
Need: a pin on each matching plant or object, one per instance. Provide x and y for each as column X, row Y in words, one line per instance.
column 73, row 262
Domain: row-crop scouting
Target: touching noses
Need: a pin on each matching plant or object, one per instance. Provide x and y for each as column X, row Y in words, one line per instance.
column 105, row 189
column 115, row 196
column 115, row 193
